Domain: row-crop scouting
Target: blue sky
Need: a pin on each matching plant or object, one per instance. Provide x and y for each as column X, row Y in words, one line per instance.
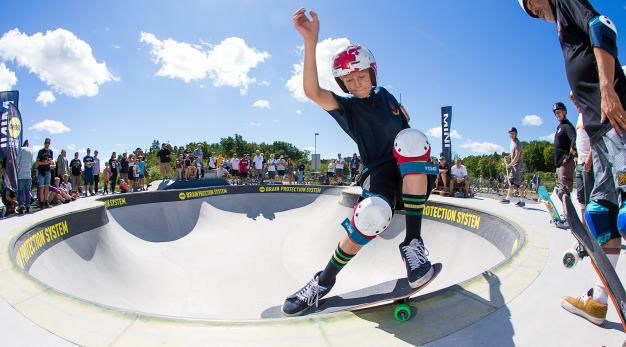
column 115, row 75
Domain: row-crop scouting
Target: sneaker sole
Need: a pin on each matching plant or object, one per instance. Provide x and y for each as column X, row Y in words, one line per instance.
column 299, row 313
column 423, row 280
column 575, row 310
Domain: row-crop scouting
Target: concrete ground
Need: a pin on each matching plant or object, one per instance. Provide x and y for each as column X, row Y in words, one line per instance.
column 529, row 315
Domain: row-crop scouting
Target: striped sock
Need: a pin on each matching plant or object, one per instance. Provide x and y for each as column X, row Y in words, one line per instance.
column 336, row 263
column 413, row 209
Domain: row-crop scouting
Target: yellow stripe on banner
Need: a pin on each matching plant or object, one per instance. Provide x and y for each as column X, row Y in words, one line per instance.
column 342, row 262
column 414, row 206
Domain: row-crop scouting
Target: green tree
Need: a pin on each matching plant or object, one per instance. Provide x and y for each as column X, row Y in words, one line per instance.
column 155, row 146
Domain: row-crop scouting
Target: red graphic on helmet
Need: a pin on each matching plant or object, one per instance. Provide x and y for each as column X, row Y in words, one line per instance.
column 346, row 58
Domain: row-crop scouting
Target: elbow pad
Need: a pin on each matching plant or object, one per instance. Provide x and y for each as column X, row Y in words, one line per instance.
column 603, row 34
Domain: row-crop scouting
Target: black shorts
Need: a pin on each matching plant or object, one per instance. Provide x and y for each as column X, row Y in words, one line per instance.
column 281, row 172
column 386, row 180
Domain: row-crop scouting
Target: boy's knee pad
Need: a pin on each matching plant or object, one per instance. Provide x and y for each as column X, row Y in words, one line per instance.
column 601, row 221
column 371, row 216
column 412, row 151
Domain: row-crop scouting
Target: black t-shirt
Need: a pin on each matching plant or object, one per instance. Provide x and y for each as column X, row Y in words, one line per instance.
column 564, row 140
column 88, row 160
column 113, row 164
column 373, row 123
column 445, row 166
column 164, row 155
column 75, row 167
column 43, row 155
column 124, row 165
column 301, row 167
column 573, row 18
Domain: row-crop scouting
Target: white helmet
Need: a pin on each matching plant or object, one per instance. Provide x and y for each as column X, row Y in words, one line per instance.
column 353, row 58
column 525, row 8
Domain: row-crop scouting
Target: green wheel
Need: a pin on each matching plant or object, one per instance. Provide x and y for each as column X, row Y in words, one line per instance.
column 402, row 312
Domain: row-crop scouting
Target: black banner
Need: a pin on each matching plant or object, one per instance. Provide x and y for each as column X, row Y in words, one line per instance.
column 13, row 138
column 446, row 126
column 7, row 98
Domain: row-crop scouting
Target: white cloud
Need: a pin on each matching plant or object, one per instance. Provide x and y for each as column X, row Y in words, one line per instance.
column 436, row 132
column 262, row 104
column 549, row 137
column 265, row 83
column 253, row 124
column 45, row 97
column 226, row 64
column 51, row 126
column 59, row 58
column 71, row 147
column 299, row 111
column 482, row 147
column 7, row 78
column 532, row 120
column 323, row 56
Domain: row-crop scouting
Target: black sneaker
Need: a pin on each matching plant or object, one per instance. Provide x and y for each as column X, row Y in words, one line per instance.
column 520, row 204
column 300, row 301
column 505, row 201
column 418, row 268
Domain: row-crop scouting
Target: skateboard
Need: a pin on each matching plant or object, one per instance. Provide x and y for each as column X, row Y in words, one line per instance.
column 555, row 216
column 588, row 246
column 395, row 291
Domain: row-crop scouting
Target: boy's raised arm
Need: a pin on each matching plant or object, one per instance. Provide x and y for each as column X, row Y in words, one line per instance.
column 309, row 29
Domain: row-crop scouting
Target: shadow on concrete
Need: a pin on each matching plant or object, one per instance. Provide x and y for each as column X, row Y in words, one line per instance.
column 447, row 312
column 265, row 205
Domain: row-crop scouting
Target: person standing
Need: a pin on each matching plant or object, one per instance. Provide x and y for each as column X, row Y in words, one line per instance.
column 564, row 151
column 339, row 164
column 516, row 167
column 76, row 170
column 24, row 167
column 258, row 167
column 584, row 167
column 123, row 168
column 114, row 165
column 96, row 171
column 589, row 44
column 44, row 173
column 88, row 162
column 355, row 165
column 63, row 165
column 165, row 159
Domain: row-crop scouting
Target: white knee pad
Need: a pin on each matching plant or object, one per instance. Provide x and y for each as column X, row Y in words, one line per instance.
column 412, row 151
column 371, row 216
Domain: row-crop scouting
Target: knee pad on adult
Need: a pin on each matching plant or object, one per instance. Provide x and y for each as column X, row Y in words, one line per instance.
column 600, row 221
column 412, row 151
column 371, row 216
column 621, row 220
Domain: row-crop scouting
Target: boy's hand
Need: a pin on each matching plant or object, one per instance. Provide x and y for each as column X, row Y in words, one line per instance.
column 308, row 28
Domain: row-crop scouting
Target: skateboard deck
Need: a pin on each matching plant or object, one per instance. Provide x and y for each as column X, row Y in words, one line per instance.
column 397, row 290
column 552, row 209
column 599, row 260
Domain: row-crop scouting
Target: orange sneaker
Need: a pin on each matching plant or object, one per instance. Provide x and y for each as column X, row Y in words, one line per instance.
column 585, row 307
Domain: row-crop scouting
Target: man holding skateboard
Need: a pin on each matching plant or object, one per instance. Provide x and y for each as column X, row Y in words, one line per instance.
column 588, row 41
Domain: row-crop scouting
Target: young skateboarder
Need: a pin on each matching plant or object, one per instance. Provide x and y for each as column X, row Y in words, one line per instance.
column 394, row 157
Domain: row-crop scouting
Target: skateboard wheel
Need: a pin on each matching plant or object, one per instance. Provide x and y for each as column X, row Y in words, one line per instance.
column 402, row 312
column 570, row 258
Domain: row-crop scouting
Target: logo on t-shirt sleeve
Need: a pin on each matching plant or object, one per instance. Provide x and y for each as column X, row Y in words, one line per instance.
column 394, row 108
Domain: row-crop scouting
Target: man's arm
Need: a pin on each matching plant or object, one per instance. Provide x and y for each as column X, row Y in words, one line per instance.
column 611, row 104
column 309, row 29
